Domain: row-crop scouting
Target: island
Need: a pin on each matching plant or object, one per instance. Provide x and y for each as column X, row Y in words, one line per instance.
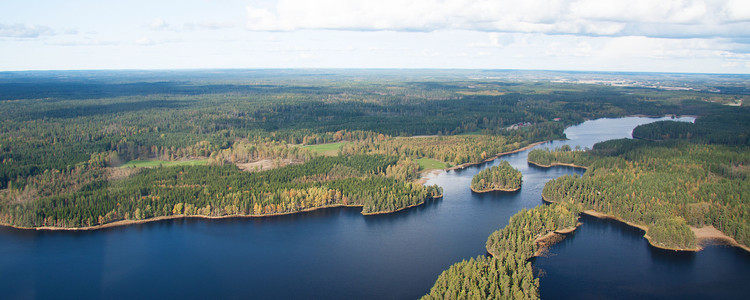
column 90, row 150
column 502, row 177
column 680, row 184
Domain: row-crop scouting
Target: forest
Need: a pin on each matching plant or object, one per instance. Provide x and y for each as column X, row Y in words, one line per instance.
column 64, row 136
column 506, row 272
column 69, row 145
column 665, row 186
column 673, row 177
column 454, row 150
column 562, row 156
column 53, row 122
column 377, row 183
column 670, row 178
column 502, row 177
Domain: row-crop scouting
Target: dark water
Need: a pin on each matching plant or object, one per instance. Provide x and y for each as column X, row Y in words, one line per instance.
column 328, row 254
column 608, row 259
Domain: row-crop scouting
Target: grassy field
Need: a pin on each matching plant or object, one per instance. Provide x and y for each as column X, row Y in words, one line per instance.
column 475, row 132
column 331, row 149
column 156, row 163
column 429, row 163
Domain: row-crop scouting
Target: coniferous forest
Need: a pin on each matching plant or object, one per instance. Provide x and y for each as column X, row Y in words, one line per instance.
column 502, row 177
column 89, row 149
column 71, row 146
column 675, row 176
column 667, row 186
column 682, row 179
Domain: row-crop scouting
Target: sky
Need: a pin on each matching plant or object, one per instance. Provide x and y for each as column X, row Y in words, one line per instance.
column 701, row 36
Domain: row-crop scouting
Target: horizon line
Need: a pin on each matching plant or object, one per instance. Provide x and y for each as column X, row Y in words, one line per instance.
column 360, row 69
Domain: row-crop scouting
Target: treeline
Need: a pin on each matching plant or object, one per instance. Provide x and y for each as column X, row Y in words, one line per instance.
column 730, row 127
column 454, row 150
column 666, row 186
column 502, row 177
column 563, row 155
column 639, row 207
column 506, row 273
column 225, row 190
column 405, row 169
column 244, row 151
column 55, row 182
column 49, row 124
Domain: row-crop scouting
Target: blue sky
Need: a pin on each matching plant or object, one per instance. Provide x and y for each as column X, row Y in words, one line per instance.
column 599, row 35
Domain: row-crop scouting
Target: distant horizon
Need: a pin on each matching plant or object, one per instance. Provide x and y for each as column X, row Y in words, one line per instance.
column 362, row 69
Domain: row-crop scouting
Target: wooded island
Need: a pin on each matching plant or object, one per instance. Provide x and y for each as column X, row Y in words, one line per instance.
column 502, row 177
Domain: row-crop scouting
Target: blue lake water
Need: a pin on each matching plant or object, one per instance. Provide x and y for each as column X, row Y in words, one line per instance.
column 338, row 253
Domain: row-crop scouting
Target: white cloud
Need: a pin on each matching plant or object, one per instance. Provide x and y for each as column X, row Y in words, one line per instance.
column 158, row 24
column 650, row 11
column 208, row 25
column 85, row 42
column 494, row 40
column 144, row 42
column 681, row 18
column 24, row 31
column 737, row 11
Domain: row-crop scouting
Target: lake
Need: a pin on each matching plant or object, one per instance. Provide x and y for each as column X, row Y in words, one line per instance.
column 340, row 254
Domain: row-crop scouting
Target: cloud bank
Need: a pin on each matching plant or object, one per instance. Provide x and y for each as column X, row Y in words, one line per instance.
column 24, row 31
column 663, row 18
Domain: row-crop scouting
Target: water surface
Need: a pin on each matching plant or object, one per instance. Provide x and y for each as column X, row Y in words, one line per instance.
column 329, row 254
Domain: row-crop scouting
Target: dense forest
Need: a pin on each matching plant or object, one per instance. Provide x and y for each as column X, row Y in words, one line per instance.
column 730, row 127
column 562, row 156
column 683, row 178
column 369, row 181
column 54, row 122
column 66, row 140
column 502, row 177
column 506, row 273
column 454, row 150
column 63, row 137
column 666, row 186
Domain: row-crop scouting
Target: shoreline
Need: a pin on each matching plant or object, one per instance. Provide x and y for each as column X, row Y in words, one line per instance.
column 162, row 218
column 527, row 147
column 422, row 181
column 600, row 215
column 398, row 210
column 702, row 235
column 426, row 173
column 710, row 233
column 664, row 116
column 556, row 164
column 495, row 190
column 551, row 238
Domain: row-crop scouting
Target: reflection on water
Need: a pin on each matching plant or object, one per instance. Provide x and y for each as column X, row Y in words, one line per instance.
column 339, row 254
column 606, row 259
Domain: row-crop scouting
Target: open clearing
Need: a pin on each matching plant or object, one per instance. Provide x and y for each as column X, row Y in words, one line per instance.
column 331, row 149
column 429, row 163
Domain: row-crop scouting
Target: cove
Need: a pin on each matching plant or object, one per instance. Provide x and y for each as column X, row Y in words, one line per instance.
column 332, row 254
column 607, row 259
